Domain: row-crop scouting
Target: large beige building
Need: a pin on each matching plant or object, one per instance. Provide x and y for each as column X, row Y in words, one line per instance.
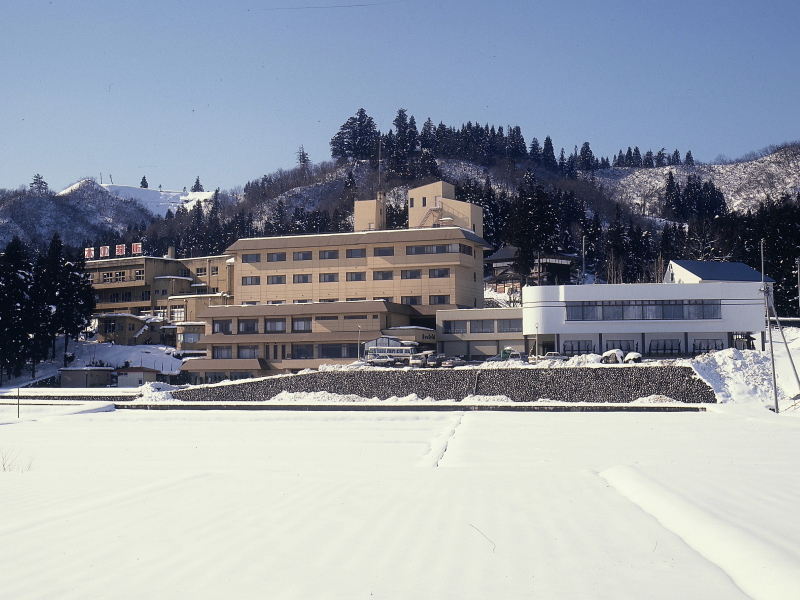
column 282, row 304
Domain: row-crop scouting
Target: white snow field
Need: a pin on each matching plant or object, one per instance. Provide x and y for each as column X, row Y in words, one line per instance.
column 280, row 504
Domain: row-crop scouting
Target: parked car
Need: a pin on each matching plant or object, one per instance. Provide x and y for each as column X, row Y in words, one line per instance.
column 508, row 354
column 380, row 361
column 423, row 359
column 547, row 356
column 453, row 361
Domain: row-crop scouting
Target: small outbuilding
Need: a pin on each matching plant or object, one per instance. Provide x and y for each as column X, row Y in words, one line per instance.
column 85, row 377
column 136, row 376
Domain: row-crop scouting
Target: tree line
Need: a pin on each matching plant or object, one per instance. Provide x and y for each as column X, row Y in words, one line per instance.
column 41, row 297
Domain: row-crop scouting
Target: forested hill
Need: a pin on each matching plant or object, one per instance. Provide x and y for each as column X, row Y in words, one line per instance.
column 635, row 210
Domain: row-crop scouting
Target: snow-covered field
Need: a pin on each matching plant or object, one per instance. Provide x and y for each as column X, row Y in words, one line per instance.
column 98, row 503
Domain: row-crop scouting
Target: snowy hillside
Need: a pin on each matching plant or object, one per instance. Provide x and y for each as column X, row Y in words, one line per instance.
column 745, row 184
column 156, row 201
column 82, row 211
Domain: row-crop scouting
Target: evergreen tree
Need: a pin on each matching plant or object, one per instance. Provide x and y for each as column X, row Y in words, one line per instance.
column 629, row 157
column 38, row 186
column 427, row 137
column 357, row 139
column 303, row 162
column 661, row 158
column 676, row 158
column 197, row 187
column 689, row 159
column 15, row 282
column 648, row 162
column 673, row 203
column 535, row 153
column 76, row 301
column 549, row 156
column 586, row 158
column 143, row 183
column 636, row 158
column 532, row 225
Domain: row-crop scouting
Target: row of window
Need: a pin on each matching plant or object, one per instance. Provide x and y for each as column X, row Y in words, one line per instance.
column 277, row 325
column 412, row 300
column 144, row 296
column 632, row 310
column 293, row 351
column 440, row 273
column 358, row 253
column 483, row 326
column 138, row 275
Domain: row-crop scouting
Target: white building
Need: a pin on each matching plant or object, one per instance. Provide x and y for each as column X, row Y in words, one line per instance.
column 700, row 306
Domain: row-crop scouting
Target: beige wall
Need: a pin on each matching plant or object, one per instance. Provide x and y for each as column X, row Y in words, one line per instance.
column 434, row 205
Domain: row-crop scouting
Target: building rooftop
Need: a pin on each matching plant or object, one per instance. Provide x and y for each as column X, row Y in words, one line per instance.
column 721, row 271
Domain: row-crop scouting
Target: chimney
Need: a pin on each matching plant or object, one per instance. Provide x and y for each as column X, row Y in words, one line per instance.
column 171, row 252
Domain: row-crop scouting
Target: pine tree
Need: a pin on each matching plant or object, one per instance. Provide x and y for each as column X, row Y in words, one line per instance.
column 532, row 225
column 197, row 187
column 143, row 183
column 38, row 186
column 303, row 162
column 549, row 156
column 676, row 158
column 586, row 158
column 535, row 153
column 689, row 159
column 76, row 302
column 357, row 139
column 673, row 204
column 15, row 282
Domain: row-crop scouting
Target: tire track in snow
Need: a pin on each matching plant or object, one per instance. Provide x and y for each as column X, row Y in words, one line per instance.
column 760, row 569
column 440, row 443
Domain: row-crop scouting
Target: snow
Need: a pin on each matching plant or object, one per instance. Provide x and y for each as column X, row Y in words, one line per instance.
column 459, row 504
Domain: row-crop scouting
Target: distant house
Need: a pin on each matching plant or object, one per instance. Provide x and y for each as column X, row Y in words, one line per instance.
column 136, row 376
column 697, row 271
column 85, row 377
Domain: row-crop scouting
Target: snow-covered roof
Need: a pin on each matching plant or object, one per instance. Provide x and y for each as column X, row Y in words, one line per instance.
column 719, row 271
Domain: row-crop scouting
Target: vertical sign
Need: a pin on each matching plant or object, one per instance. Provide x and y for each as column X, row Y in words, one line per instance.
column 104, row 250
column 136, row 248
column 88, row 253
column 119, row 250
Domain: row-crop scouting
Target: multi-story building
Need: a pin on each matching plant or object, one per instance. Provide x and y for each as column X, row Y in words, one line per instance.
column 307, row 299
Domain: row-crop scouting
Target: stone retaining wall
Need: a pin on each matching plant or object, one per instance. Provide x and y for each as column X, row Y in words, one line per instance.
column 604, row 384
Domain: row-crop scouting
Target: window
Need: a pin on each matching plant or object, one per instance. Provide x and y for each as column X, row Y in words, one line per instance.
column 481, row 326
column 439, row 299
column 304, row 255
column 354, row 317
column 509, row 325
column 338, row 350
column 200, row 272
column 302, row 278
column 327, row 318
column 384, row 251
column 305, row 301
column 251, row 258
column 146, row 296
column 248, row 325
column 248, row 352
column 624, row 345
column 215, row 377
column 412, row 300
column 328, row 299
column 302, row 351
column 630, row 310
column 355, row 299
column 138, row 275
column 454, row 327
column 276, row 302
column 108, row 277
column 221, row 326
column 184, row 273
column 573, row 347
column 110, row 326
column 411, row 203
column 356, row 276
column 356, row 253
column 301, row 324
column 221, row 352
column 251, row 280
column 177, row 312
column 131, row 327
column 126, row 296
column 250, row 303
column 274, row 325
column 276, row 256
column 215, row 270
column 276, row 279
column 119, row 276
column 113, row 297
column 202, row 290
column 411, row 274
column 328, row 277
column 188, row 338
column 384, row 298
column 328, row 254
column 438, row 273
column 382, row 275
column 439, row 249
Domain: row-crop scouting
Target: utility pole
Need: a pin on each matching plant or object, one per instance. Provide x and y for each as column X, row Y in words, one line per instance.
column 765, row 291
column 583, row 259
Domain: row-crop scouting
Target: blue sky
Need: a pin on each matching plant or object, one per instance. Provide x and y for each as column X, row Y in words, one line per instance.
column 230, row 90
